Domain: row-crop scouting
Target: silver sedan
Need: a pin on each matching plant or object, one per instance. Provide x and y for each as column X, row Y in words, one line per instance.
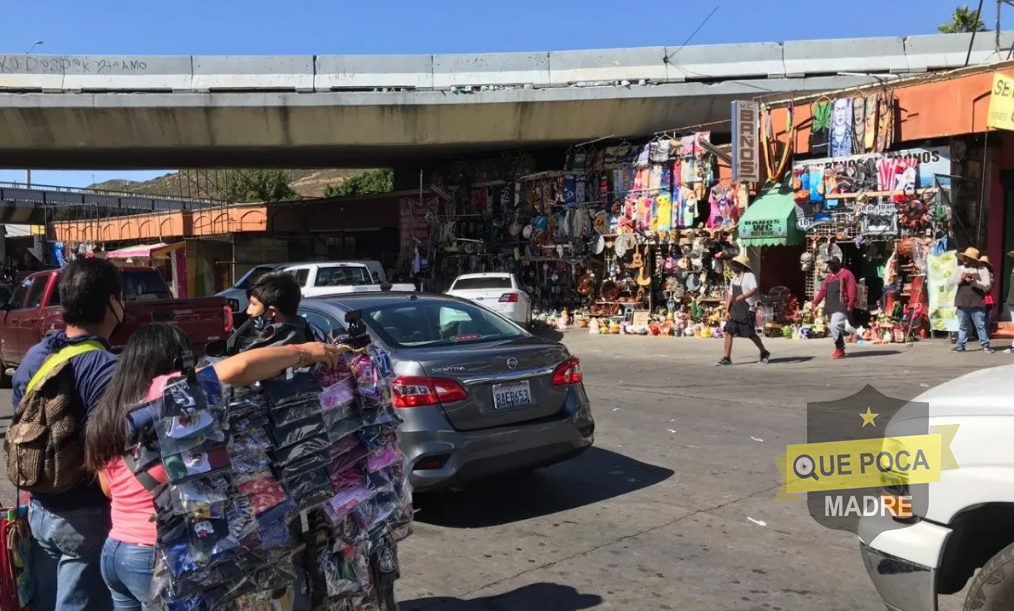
column 479, row 395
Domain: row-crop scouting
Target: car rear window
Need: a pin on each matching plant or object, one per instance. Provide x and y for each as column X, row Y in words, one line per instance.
column 490, row 282
column 437, row 323
column 144, row 285
column 340, row 275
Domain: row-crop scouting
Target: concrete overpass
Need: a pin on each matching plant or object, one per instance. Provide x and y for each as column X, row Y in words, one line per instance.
column 37, row 205
column 349, row 111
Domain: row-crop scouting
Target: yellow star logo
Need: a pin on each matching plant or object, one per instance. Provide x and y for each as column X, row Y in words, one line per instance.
column 868, row 417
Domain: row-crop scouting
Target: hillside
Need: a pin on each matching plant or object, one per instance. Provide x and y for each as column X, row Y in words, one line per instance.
column 210, row 183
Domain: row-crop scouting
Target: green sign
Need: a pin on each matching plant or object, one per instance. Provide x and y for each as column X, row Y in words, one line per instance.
column 763, row 228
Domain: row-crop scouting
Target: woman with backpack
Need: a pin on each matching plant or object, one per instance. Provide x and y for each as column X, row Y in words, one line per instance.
column 149, row 358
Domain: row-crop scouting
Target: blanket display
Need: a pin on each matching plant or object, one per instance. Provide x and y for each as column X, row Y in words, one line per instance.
column 294, row 484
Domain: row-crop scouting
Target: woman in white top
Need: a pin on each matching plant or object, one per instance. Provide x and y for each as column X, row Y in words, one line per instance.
column 741, row 310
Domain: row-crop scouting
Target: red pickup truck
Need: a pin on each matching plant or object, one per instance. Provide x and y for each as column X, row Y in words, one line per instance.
column 34, row 310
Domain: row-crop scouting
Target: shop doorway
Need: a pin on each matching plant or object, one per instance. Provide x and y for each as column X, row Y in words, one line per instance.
column 1007, row 263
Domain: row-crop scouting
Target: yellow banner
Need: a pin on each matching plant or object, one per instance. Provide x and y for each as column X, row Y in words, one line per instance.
column 866, row 463
column 1001, row 103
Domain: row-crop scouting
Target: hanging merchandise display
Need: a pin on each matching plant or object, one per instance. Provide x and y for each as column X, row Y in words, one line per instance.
column 312, row 448
column 879, row 212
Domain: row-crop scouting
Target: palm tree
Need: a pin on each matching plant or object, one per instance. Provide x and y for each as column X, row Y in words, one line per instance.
column 963, row 19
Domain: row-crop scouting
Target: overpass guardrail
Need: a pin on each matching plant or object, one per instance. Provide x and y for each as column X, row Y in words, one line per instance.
column 632, row 66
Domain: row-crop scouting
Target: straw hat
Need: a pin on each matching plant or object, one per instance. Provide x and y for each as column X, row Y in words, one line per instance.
column 985, row 261
column 743, row 261
column 970, row 253
column 1010, row 254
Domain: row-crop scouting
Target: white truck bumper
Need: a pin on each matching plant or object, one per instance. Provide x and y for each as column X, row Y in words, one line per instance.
column 903, row 565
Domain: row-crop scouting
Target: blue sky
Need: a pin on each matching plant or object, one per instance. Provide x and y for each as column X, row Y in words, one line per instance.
column 321, row 27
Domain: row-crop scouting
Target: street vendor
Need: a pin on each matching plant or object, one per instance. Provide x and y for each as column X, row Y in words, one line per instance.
column 152, row 353
column 741, row 309
column 274, row 318
column 973, row 281
column 838, row 291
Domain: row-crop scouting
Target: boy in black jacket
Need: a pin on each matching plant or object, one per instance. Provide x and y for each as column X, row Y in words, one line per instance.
column 274, row 318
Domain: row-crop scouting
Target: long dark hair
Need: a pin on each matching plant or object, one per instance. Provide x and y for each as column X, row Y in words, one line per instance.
column 152, row 351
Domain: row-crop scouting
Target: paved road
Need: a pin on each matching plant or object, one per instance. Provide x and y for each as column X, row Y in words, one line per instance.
column 673, row 509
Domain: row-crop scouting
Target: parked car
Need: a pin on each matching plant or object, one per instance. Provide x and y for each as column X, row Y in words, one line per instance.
column 315, row 278
column 479, row 396
column 967, row 531
column 499, row 292
column 34, row 310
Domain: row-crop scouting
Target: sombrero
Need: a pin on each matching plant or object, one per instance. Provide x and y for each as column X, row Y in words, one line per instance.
column 743, row 261
column 970, row 253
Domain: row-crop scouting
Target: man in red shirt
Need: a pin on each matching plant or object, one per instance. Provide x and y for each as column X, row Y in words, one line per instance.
column 839, row 292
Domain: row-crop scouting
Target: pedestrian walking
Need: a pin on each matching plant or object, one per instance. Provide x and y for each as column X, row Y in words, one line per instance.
column 149, row 359
column 69, row 528
column 973, row 281
column 741, row 309
column 838, row 292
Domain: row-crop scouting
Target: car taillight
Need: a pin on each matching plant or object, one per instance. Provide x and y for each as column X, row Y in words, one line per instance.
column 411, row 391
column 227, row 326
column 568, row 372
column 509, row 298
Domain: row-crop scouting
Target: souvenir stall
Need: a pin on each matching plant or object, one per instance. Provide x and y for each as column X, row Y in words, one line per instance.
column 297, row 475
column 881, row 214
column 662, row 240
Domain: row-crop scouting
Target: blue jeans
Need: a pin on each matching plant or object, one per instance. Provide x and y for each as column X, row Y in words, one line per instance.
column 66, row 551
column 127, row 570
column 976, row 317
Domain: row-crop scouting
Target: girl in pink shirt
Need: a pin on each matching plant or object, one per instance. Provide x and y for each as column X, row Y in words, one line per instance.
column 128, row 557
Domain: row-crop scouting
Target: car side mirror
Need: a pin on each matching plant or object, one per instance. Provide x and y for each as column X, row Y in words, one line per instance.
column 216, row 349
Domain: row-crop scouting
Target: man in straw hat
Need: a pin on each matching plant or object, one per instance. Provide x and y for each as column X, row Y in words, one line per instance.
column 838, row 292
column 973, row 281
column 740, row 309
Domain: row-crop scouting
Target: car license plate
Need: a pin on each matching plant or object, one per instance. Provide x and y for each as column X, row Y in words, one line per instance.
column 511, row 394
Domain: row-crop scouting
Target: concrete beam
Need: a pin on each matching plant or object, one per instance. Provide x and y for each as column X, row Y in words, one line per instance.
column 347, row 128
column 607, row 65
column 491, row 69
column 937, row 52
column 253, row 73
column 761, row 60
column 811, row 57
column 337, row 72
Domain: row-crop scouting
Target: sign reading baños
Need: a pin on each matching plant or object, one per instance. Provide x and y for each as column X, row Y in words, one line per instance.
column 853, row 467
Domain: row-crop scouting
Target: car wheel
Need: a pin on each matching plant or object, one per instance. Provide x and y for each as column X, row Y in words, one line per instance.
column 993, row 586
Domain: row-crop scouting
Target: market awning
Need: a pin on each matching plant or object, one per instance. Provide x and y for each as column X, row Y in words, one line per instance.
column 770, row 220
column 143, row 252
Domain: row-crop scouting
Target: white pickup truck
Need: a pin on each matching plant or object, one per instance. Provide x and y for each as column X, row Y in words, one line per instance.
column 969, row 521
column 316, row 279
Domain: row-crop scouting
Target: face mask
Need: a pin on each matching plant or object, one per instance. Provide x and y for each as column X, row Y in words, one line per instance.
column 262, row 322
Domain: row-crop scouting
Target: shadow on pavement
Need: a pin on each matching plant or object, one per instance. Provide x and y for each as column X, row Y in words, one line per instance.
column 864, row 353
column 595, row 476
column 536, row 596
column 790, row 359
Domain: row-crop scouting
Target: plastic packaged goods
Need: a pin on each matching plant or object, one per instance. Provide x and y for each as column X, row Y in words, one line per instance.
column 248, row 465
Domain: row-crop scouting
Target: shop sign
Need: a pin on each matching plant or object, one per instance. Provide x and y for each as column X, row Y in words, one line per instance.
column 891, row 172
column 1001, row 103
column 879, row 220
column 763, row 228
column 745, row 141
column 943, row 315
